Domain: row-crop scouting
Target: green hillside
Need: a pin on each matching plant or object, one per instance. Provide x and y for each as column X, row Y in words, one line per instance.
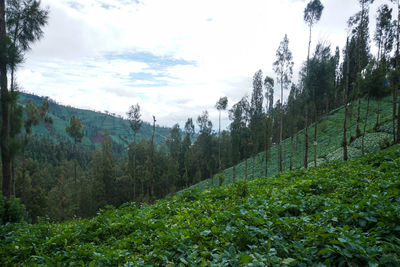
column 95, row 124
column 329, row 140
column 338, row 214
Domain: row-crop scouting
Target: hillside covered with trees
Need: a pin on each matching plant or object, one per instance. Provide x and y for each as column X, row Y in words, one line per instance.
column 298, row 181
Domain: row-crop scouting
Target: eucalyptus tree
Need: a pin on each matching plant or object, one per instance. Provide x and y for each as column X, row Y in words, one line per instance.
column 16, row 37
column 359, row 24
column 319, row 82
column 312, row 14
column 269, row 96
column 75, row 131
column 283, row 67
column 135, row 122
column 220, row 105
column 384, row 35
column 396, row 74
column 186, row 149
column 238, row 114
column 346, row 69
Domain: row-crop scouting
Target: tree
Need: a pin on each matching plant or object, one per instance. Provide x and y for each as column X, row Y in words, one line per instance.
column 318, row 83
column 395, row 75
column 312, row 14
column 74, row 129
column 269, row 96
column 220, row 105
column 283, row 67
column 256, row 114
column 135, row 123
column 346, row 104
column 360, row 22
column 33, row 18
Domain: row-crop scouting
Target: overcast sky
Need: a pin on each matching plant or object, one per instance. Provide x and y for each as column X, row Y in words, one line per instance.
column 175, row 58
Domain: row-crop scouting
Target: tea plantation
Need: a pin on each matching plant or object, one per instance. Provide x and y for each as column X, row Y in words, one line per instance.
column 329, row 140
column 338, row 214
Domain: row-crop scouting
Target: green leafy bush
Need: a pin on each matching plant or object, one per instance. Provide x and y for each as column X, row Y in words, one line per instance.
column 373, row 142
column 11, row 211
column 338, row 154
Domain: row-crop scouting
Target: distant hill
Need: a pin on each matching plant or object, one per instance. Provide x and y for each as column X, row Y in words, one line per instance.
column 95, row 125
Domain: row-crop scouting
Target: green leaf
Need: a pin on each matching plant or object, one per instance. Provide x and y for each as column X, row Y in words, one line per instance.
column 288, row 261
column 244, row 259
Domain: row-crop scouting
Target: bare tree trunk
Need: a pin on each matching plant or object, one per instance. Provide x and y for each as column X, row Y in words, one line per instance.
column 5, row 112
column 234, row 174
column 291, row 153
column 346, row 94
column 152, row 158
column 397, row 140
column 315, row 134
column 245, row 169
column 358, row 132
column 378, row 113
column 219, row 142
column 306, row 140
column 252, row 172
column 365, row 126
column 281, row 129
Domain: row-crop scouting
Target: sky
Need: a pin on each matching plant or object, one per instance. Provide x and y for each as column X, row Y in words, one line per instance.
column 174, row 58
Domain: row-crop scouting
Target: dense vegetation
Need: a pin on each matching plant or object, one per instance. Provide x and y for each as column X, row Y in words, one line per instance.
column 95, row 125
column 338, row 214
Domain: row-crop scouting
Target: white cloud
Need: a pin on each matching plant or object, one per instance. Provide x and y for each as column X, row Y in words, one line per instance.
column 226, row 40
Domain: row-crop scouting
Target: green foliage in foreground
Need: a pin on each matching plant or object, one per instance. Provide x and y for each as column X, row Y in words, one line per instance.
column 338, row 214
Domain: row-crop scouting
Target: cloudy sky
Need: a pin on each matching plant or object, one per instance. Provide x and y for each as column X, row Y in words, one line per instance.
column 175, row 58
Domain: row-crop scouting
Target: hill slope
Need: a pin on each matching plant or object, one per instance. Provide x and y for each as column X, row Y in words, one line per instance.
column 338, row 214
column 329, row 140
column 95, row 125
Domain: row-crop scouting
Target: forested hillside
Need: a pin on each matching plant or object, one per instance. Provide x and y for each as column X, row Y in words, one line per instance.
column 95, row 125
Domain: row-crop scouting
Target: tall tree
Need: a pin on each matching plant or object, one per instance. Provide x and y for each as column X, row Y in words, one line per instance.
column 74, row 129
column 395, row 76
column 11, row 54
column 135, row 123
column 152, row 178
column 269, row 96
column 220, row 105
column 256, row 113
column 283, row 67
column 359, row 22
column 312, row 14
column 346, row 70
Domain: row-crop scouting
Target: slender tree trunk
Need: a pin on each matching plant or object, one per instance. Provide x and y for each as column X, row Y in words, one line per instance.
column 306, row 140
column 234, row 174
column 396, row 90
column 291, row 153
column 281, row 129
column 152, row 157
column 315, row 134
column 359, row 69
column 245, row 169
column 346, row 94
column 378, row 113
column 219, row 142
column 365, row 126
column 134, row 167
column 5, row 112
column 252, row 172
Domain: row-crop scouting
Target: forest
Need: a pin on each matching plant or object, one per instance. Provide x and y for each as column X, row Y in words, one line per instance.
column 344, row 105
